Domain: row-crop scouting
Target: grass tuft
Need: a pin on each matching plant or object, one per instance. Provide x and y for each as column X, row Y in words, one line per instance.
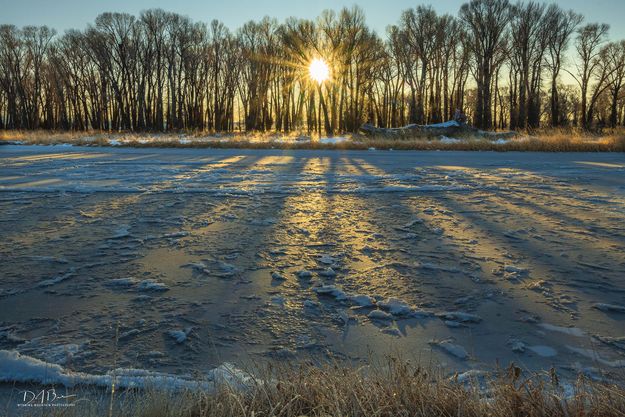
column 397, row 388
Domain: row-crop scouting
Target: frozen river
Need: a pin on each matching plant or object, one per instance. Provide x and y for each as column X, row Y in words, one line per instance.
column 177, row 260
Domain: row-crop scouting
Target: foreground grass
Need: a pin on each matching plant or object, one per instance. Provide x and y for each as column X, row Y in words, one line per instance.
column 546, row 140
column 396, row 389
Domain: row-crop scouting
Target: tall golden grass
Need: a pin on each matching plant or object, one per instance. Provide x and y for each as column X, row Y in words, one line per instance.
column 398, row 388
column 543, row 140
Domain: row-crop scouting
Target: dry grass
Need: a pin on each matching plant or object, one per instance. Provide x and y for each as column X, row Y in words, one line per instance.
column 544, row 140
column 395, row 389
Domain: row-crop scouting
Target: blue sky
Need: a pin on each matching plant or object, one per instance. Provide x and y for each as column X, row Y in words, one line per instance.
column 66, row 14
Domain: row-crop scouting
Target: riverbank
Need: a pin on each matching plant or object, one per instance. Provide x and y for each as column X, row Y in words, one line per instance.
column 548, row 140
column 395, row 388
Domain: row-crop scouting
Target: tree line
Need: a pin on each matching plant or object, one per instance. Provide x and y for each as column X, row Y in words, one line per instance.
column 517, row 66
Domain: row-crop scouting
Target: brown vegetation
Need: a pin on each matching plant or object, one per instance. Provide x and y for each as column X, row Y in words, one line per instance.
column 398, row 388
column 543, row 140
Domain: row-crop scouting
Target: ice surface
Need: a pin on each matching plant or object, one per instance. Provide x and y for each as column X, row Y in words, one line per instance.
column 544, row 351
column 514, row 254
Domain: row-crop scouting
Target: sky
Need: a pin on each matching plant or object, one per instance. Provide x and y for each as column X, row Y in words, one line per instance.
column 76, row 14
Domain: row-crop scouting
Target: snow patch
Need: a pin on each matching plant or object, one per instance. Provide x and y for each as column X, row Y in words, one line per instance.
column 333, row 140
column 445, row 139
column 449, row 123
column 18, row 368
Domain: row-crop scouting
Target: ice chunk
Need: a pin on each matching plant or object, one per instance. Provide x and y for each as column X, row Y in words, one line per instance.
column 175, row 235
column 379, row 315
column 123, row 282
column 128, row 334
column 151, row 285
column 517, row 346
column 452, row 348
column 56, row 280
column 328, row 273
column 609, row 308
column 121, row 232
column 180, row 335
column 304, row 274
column 459, row 316
column 277, row 276
column 331, row 290
column 362, row 300
column 278, row 300
column 395, row 306
column 393, row 331
column 326, row 259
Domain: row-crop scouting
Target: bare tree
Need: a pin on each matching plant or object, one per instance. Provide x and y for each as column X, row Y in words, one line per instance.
column 163, row 71
column 486, row 22
column 560, row 26
column 588, row 47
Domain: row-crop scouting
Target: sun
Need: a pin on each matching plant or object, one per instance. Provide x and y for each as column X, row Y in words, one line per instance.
column 319, row 70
